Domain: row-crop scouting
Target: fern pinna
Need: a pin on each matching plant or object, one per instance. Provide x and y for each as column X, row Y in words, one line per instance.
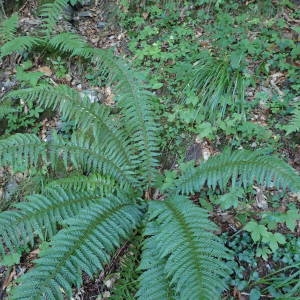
column 87, row 215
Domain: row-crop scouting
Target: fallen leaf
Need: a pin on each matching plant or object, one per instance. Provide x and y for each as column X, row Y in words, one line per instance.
column 45, row 70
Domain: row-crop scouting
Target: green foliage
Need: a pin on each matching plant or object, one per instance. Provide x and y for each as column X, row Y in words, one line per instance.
column 242, row 168
column 279, row 279
column 19, row 44
column 83, row 246
column 8, row 28
column 176, row 231
column 260, row 233
column 218, row 83
column 294, row 123
column 51, row 12
column 111, row 163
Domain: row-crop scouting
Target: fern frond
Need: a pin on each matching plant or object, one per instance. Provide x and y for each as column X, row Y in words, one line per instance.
column 294, row 123
column 242, row 167
column 85, row 245
column 19, row 44
column 91, row 157
column 21, row 151
column 40, row 215
column 93, row 182
column 137, row 111
column 71, row 43
column 50, row 13
column 8, row 28
column 87, row 116
column 6, row 109
column 154, row 284
column 194, row 256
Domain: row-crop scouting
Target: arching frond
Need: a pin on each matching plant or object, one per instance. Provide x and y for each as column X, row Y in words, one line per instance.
column 90, row 156
column 19, row 44
column 85, row 245
column 294, row 123
column 242, row 167
column 50, row 13
column 40, row 215
column 71, row 43
column 154, row 284
column 8, row 28
column 194, row 256
column 137, row 111
column 87, row 116
column 6, row 109
column 21, row 151
column 91, row 183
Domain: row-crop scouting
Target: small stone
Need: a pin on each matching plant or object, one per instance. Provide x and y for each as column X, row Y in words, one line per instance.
column 101, row 25
column 108, row 283
column 91, row 95
column 84, row 14
column 79, row 86
column 87, row 2
column 95, row 40
column 68, row 77
column 106, row 294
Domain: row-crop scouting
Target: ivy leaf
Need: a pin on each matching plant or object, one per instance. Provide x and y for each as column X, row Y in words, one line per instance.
column 256, row 230
column 11, row 259
column 254, row 294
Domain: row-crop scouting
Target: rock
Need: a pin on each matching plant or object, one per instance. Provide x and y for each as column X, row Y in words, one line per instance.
column 68, row 77
column 101, row 25
column 83, row 14
column 10, row 189
column 88, row 2
column 92, row 95
column 68, row 13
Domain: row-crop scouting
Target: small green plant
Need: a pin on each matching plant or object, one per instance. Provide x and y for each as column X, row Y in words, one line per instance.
column 278, row 279
column 260, row 234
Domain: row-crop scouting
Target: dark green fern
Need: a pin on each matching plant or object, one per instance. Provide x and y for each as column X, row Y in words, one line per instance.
column 111, row 163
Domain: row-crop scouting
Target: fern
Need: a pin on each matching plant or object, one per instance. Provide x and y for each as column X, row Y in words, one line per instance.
column 154, row 283
column 6, row 109
column 8, row 28
column 41, row 214
column 138, row 116
column 50, row 13
column 180, row 231
column 87, row 116
column 113, row 160
column 242, row 168
column 91, row 183
column 22, row 151
column 85, row 245
column 294, row 123
column 72, row 43
column 19, row 44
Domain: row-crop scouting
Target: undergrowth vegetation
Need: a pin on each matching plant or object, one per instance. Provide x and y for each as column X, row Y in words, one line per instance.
column 184, row 169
